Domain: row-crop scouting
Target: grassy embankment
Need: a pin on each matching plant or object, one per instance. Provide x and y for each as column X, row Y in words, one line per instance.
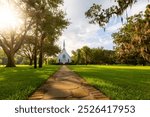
column 20, row 82
column 118, row 82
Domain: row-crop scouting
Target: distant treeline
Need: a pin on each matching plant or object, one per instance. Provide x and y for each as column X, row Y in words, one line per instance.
column 87, row 55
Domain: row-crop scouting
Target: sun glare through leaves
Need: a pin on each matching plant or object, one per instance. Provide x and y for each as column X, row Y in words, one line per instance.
column 9, row 17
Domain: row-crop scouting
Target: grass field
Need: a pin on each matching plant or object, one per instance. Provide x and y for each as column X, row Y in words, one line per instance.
column 118, row 82
column 20, row 82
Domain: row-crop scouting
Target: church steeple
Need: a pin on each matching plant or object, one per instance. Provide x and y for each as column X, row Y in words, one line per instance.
column 64, row 45
column 63, row 57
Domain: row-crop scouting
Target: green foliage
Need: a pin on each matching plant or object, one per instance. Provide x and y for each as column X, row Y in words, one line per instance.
column 133, row 39
column 43, row 20
column 20, row 82
column 102, row 16
column 2, row 54
column 48, row 24
column 118, row 82
column 102, row 56
column 2, row 57
column 50, row 48
column 87, row 55
column 27, row 50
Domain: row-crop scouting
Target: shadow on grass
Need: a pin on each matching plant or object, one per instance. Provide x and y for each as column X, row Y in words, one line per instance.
column 20, row 82
column 118, row 82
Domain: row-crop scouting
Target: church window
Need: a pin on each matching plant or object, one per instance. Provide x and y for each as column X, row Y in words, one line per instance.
column 64, row 56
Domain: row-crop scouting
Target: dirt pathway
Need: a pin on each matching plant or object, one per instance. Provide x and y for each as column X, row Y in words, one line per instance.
column 66, row 85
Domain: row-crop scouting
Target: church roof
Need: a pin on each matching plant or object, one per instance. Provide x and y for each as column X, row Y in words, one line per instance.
column 64, row 57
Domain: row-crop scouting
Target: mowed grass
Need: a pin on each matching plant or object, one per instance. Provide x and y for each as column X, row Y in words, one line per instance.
column 118, row 82
column 18, row 83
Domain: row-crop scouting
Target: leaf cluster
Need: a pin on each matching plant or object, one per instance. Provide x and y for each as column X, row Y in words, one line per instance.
column 133, row 39
column 98, row 15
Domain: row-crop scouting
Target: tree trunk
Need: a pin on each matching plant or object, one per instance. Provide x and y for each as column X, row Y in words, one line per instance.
column 35, row 55
column 11, row 61
column 41, row 54
column 35, row 47
column 31, row 62
column 41, row 59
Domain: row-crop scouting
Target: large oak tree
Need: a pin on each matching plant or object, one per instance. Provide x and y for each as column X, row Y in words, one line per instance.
column 11, row 40
column 42, row 19
column 134, row 37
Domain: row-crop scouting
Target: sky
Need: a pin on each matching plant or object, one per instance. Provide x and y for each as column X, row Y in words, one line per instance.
column 80, row 33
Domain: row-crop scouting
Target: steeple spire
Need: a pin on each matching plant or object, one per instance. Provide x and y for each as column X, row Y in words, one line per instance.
column 64, row 45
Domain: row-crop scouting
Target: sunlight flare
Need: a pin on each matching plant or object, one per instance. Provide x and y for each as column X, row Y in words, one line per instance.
column 9, row 18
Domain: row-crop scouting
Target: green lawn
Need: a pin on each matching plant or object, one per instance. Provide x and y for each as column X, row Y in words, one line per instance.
column 118, row 82
column 20, row 82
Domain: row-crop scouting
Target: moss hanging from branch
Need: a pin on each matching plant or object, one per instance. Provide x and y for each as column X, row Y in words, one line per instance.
column 98, row 15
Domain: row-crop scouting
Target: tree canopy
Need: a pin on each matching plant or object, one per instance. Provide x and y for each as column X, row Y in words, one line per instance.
column 133, row 39
column 100, row 16
column 44, row 21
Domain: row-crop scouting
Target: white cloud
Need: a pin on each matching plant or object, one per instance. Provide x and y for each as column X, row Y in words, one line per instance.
column 114, row 28
column 138, row 7
column 81, row 33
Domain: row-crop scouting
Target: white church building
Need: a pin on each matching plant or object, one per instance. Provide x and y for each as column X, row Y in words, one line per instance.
column 63, row 57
